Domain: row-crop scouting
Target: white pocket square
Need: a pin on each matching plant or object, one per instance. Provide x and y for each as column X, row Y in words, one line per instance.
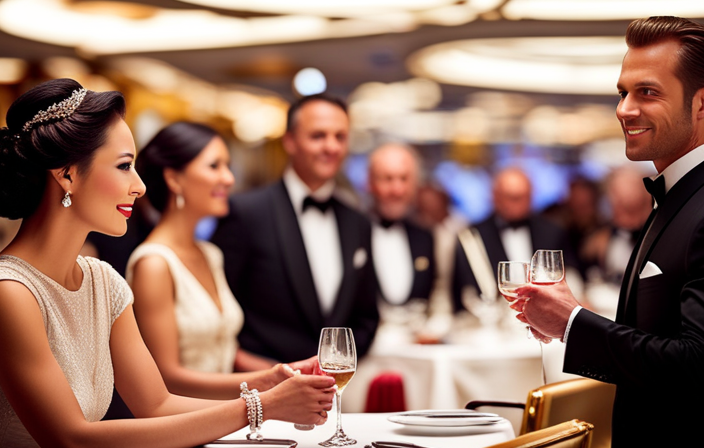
column 650, row 270
column 360, row 258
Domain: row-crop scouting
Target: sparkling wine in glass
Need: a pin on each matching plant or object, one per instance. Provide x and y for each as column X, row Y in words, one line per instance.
column 337, row 356
column 547, row 267
column 512, row 275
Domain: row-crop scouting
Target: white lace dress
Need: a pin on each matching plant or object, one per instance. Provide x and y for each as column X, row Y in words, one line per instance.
column 207, row 338
column 78, row 325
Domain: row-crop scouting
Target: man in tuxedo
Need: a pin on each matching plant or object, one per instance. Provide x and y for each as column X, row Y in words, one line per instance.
column 607, row 250
column 654, row 351
column 403, row 252
column 511, row 233
column 296, row 258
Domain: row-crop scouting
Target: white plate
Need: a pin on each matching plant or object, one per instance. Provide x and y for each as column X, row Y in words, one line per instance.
column 445, row 419
column 447, row 423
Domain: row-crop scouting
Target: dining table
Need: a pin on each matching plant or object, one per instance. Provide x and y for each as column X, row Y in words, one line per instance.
column 366, row 428
column 473, row 362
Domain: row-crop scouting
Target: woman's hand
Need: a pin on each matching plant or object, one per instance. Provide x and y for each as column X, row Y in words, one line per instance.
column 282, row 372
column 307, row 366
column 303, row 399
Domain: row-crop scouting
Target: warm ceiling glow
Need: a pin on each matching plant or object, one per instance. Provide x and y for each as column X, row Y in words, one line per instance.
column 12, row 70
column 99, row 31
column 255, row 114
column 600, row 9
column 337, row 8
column 122, row 9
column 580, row 65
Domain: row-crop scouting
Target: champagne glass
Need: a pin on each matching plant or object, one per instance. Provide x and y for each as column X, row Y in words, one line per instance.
column 513, row 275
column 337, row 356
column 547, row 267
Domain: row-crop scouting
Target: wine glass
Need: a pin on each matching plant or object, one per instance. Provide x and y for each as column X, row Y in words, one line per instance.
column 513, row 275
column 337, row 356
column 547, row 267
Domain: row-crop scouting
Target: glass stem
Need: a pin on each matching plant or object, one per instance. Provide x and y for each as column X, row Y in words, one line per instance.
column 338, row 398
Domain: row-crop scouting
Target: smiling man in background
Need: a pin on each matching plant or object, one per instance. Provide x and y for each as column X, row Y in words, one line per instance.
column 296, row 258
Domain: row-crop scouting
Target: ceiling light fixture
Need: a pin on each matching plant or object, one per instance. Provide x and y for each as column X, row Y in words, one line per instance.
column 326, row 8
column 600, row 9
column 571, row 65
column 97, row 31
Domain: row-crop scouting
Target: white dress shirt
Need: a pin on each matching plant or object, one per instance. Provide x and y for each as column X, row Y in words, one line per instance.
column 393, row 262
column 673, row 173
column 320, row 238
column 517, row 243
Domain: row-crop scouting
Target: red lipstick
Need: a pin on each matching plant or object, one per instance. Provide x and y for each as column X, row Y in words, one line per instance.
column 125, row 209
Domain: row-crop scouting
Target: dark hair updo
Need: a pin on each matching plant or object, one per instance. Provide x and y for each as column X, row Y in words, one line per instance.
column 26, row 156
column 174, row 147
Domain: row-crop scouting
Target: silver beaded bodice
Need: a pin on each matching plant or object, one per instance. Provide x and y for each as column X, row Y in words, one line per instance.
column 77, row 325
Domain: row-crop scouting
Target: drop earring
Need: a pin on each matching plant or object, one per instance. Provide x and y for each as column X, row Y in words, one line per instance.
column 66, row 201
column 180, row 202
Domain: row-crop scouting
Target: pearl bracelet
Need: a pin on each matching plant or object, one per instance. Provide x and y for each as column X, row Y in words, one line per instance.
column 254, row 411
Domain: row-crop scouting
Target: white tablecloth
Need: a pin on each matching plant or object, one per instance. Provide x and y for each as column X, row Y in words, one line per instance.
column 366, row 428
column 477, row 364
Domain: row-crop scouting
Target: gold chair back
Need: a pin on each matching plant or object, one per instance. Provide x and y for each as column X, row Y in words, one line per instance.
column 570, row 434
column 581, row 398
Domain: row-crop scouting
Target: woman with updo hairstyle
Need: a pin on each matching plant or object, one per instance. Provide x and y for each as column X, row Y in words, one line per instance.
column 185, row 310
column 67, row 328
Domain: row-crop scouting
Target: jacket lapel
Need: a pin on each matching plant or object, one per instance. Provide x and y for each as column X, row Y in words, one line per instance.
column 349, row 243
column 676, row 198
column 492, row 242
column 294, row 255
column 628, row 274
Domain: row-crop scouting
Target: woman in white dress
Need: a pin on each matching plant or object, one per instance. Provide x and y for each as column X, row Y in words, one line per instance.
column 67, row 329
column 184, row 307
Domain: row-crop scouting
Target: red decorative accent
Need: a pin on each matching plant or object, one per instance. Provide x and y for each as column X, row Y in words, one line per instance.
column 386, row 393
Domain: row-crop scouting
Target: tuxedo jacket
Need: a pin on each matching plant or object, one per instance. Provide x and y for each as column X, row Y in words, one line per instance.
column 654, row 352
column 268, row 271
column 422, row 247
column 543, row 233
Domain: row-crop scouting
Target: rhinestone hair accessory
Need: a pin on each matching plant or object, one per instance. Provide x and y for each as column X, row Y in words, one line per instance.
column 63, row 109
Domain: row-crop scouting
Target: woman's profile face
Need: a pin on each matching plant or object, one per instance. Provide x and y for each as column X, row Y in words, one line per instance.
column 207, row 180
column 103, row 196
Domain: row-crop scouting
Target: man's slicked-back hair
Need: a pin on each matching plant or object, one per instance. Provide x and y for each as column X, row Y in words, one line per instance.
column 690, row 36
column 292, row 115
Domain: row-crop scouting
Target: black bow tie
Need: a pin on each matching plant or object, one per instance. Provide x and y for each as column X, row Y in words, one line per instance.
column 631, row 234
column 320, row 205
column 386, row 223
column 514, row 224
column 656, row 188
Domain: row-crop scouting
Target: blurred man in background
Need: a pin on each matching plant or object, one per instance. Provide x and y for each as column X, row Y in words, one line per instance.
column 296, row 258
column 403, row 252
column 579, row 215
column 608, row 250
column 512, row 233
column 434, row 212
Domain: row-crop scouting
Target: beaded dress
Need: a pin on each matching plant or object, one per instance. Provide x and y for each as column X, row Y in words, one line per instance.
column 207, row 338
column 77, row 325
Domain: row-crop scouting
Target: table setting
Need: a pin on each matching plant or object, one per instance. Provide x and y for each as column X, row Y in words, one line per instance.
column 337, row 358
column 444, row 431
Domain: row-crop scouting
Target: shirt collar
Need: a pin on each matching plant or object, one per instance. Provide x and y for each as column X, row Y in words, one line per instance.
column 677, row 169
column 298, row 190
